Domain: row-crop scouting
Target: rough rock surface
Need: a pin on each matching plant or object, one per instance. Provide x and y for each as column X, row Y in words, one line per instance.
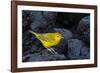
column 77, row 49
column 41, row 20
column 46, row 56
column 84, row 29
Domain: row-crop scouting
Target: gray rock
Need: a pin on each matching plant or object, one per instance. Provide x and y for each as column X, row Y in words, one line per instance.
column 68, row 20
column 36, row 48
column 42, row 19
column 86, row 37
column 74, row 47
column 50, row 15
column 84, row 29
column 84, row 24
column 44, row 55
column 85, row 53
column 77, row 49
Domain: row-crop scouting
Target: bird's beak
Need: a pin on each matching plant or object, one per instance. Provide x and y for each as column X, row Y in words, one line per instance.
column 62, row 37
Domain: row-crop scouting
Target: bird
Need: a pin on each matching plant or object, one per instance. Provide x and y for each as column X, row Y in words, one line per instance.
column 48, row 40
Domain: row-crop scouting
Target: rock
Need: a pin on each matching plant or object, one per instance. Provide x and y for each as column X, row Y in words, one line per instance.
column 68, row 20
column 86, row 37
column 84, row 29
column 26, row 58
column 26, row 42
column 74, row 47
column 41, row 20
column 44, row 55
column 26, row 20
column 36, row 48
column 77, row 49
column 85, row 53
column 51, row 16
column 84, row 24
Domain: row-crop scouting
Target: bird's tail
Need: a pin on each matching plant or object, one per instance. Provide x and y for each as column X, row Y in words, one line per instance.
column 33, row 32
column 37, row 35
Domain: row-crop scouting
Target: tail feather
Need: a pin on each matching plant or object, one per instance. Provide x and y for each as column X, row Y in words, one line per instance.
column 32, row 32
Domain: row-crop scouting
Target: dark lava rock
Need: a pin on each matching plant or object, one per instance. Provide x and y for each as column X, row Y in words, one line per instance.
column 77, row 49
column 45, row 55
column 84, row 24
column 85, row 53
column 68, row 20
column 26, row 42
column 41, row 20
column 84, row 29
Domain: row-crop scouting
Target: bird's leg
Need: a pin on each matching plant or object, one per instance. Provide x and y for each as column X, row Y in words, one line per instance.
column 49, row 49
column 53, row 50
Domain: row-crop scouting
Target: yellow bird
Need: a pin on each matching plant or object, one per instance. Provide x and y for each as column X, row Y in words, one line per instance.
column 48, row 40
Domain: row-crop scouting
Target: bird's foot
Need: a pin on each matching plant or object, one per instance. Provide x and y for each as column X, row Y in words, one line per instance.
column 52, row 51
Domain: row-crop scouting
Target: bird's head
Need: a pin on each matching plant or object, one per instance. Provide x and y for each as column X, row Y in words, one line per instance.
column 58, row 36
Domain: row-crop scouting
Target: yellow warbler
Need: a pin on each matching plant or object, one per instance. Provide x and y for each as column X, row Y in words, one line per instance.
column 48, row 40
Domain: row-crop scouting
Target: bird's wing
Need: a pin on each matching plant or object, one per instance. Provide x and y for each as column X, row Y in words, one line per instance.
column 43, row 38
column 47, row 40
